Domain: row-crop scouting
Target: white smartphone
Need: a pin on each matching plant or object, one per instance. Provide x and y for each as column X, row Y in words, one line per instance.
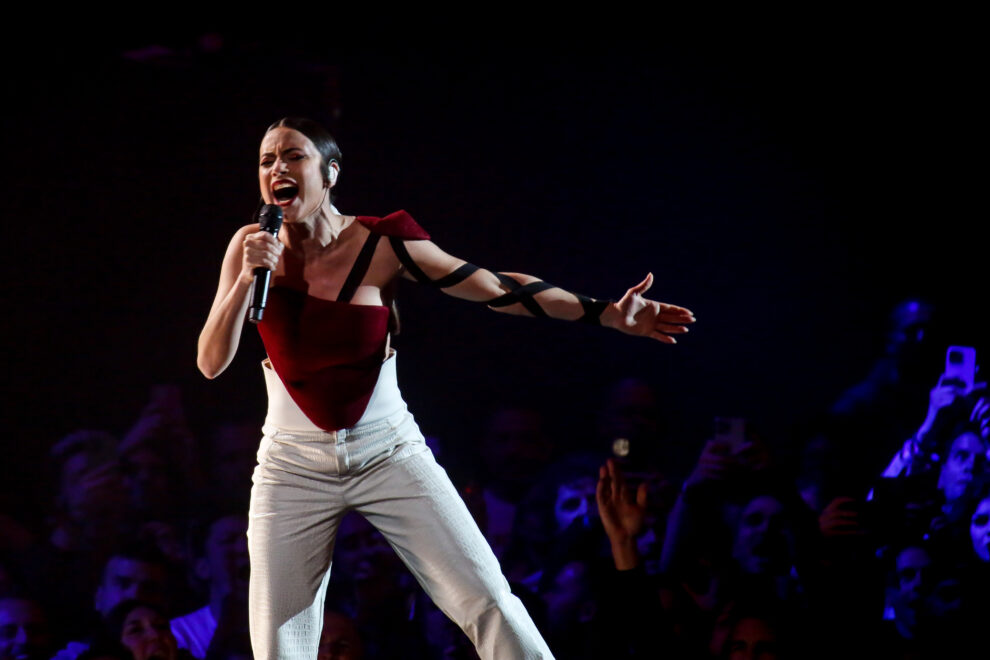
column 960, row 365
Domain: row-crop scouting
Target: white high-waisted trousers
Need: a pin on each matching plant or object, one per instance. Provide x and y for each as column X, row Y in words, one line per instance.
column 306, row 481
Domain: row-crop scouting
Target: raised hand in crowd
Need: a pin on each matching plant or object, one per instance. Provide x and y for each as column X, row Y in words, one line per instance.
column 623, row 513
column 842, row 517
column 722, row 460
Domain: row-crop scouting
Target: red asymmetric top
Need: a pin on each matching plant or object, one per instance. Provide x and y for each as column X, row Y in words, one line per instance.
column 328, row 353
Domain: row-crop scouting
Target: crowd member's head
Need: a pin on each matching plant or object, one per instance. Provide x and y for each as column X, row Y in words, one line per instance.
column 143, row 629
column 339, row 639
column 971, row 530
column 370, row 564
column 767, row 528
column 979, row 529
column 752, row 631
column 231, row 460
column 222, row 555
column 133, row 573
column 566, row 492
column 155, row 457
column 909, row 328
column 24, row 631
column 912, row 582
column 91, row 487
column 764, row 538
column 515, row 448
column 965, row 458
column 570, row 591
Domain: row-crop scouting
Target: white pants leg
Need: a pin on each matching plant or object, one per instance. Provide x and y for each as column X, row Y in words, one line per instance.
column 304, row 484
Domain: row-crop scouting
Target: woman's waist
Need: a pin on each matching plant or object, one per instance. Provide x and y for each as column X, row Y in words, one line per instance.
column 381, row 401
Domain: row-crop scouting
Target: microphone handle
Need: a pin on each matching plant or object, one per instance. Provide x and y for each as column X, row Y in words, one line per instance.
column 270, row 220
column 262, row 276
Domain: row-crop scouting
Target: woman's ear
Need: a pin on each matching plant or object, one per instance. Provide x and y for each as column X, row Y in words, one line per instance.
column 333, row 171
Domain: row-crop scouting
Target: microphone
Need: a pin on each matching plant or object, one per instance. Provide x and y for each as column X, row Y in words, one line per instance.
column 270, row 219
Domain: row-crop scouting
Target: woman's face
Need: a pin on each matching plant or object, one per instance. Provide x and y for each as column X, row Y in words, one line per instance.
column 147, row 634
column 290, row 173
column 979, row 530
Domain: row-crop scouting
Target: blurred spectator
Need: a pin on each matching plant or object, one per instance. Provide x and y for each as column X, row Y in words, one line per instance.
column 370, row 581
column 143, row 628
column 158, row 458
column 340, row 639
column 631, row 429
column 222, row 563
column 558, row 518
column 874, row 416
column 572, row 590
column 24, row 630
column 979, row 521
column 752, row 632
column 132, row 573
column 230, row 460
column 964, row 460
column 91, row 514
column 92, row 507
column 515, row 449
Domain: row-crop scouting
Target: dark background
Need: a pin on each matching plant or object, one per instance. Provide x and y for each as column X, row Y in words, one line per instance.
column 788, row 190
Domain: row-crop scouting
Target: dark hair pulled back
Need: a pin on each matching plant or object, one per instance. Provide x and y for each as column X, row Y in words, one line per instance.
column 321, row 139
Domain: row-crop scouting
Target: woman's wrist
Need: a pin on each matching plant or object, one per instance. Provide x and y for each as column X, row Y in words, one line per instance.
column 610, row 315
column 624, row 553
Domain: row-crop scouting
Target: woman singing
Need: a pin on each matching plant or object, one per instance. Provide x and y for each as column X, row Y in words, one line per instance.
column 338, row 436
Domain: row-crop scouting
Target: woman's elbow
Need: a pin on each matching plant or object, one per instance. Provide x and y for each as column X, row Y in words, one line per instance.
column 209, row 365
column 207, row 369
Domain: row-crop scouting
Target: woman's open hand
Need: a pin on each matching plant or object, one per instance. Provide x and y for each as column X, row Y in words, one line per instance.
column 636, row 315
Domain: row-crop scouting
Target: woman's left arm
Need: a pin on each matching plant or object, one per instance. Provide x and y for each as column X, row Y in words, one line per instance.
column 518, row 293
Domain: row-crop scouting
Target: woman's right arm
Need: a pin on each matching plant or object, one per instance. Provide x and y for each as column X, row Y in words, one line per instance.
column 248, row 249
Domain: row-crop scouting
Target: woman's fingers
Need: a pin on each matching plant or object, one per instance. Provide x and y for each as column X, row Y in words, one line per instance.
column 261, row 249
column 643, row 286
column 661, row 337
column 671, row 329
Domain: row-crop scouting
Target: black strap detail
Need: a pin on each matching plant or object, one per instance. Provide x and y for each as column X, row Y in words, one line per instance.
column 359, row 269
column 592, row 309
column 399, row 247
column 520, row 293
column 463, row 272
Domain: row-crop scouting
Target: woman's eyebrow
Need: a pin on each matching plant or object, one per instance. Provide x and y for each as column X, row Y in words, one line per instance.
column 284, row 151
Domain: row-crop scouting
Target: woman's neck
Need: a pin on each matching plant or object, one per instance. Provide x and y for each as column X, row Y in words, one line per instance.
column 316, row 231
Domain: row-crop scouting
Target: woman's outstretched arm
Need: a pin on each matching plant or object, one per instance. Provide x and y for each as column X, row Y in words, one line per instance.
column 221, row 334
column 518, row 293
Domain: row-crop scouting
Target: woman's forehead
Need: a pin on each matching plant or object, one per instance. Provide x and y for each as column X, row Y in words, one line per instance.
column 282, row 138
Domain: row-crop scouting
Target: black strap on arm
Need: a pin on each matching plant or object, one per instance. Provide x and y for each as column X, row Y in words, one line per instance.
column 517, row 292
column 520, row 293
column 456, row 277
column 592, row 309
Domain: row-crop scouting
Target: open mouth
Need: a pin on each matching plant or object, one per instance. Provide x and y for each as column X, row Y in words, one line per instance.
column 285, row 192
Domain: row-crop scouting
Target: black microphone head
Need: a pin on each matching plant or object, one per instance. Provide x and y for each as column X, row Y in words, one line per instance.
column 270, row 218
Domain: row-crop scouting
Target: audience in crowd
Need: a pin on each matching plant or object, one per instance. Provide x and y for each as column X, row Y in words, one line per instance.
column 623, row 549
